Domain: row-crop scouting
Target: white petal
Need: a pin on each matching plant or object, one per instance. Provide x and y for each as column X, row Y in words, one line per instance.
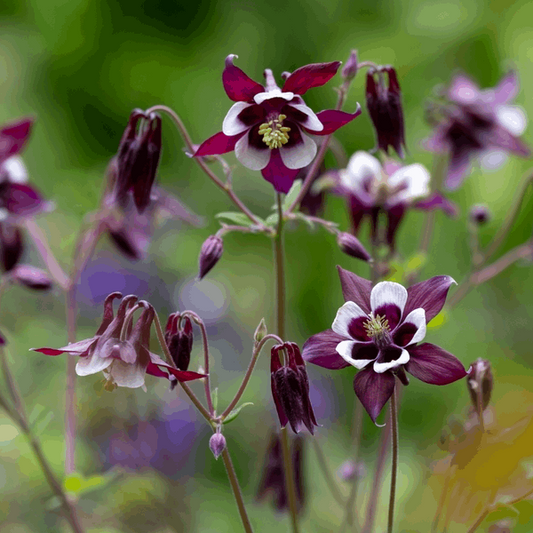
column 298, row 155
column 91, row 364
column 345, row 315
column 379, row 368
column 250, row 156
column 388, row 293
column 418, row 318
column 232, row 125
column 125, row 375
column 15, row 169
column 512, row 118
column 361, row 168
column 344, row 349
column 312, row 122
column 415, row 180
column 275, row 93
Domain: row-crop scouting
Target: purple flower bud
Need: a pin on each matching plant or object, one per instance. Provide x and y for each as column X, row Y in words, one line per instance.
column 480, row 383
column 138, row 157
column 217, row 444
column 32, row 277
column 349, row 70
column 179, row 340
column 385, row 109
column 11, row 245
column 351, row 246
column 480, row 214
column 290, row 388
column 210, row 253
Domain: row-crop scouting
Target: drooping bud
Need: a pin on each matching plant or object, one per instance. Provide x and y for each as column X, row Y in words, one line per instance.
column 385, row 109
column 31, row 277
column 290, row 388
column 480, row 383
column 350, row 470
column 10, row 244
column 179, row 340
column 480, row 214
column 138, row 157
column 351, row 246
column 210, row 253
column 349, row 70
column 261, row 331
column 217, row 444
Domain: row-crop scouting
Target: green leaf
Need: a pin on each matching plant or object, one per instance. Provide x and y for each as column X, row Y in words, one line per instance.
column 76, row 483
column 236, row 218
column 292, row 194
column 235, row 413
column 214, row 398
column 272, row 220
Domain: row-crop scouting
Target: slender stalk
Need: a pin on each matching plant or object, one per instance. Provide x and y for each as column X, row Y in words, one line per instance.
column 356, row 440
column 289, row 479
column 236, row 491
column 330, row 481
column 70, row 389
column 394, row 471
column 442, row 500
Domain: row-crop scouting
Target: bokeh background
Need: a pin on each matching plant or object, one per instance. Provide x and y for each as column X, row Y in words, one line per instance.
column 80, row 67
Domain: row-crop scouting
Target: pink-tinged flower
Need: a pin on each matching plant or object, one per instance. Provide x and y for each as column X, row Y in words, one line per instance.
column 371, row 188
column 270, row 128
column 477, row 123
column 290, row 388
column 378, row 331
column 120, row 349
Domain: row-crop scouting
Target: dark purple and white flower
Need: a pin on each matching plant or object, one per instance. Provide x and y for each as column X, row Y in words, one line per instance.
column 475, row 123
column 378, row 331
column 272, row 129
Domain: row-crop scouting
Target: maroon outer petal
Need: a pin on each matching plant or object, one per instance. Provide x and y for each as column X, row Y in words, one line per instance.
column 77, row 348
column 320, row 350
column 394, row 215
column 432, row 364
column 373, row 390
column 355, row 289
column 309, row 76
column 502, row 138
column 218, row 144
column 278, row 174
column 238, row 86
column 275, row 366
column 22, row 199
column 180, row 375
column 13, row 137
column 438, row 201
column 430, row 295
column 333, row 120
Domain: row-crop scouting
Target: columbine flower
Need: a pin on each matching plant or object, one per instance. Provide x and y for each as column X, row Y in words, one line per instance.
column 384, row 105
column 268, row 127
column 290, row 388
column 378, row 331
column 179, row 340
column 120, row 350
column 476, row 122
column 371, row 188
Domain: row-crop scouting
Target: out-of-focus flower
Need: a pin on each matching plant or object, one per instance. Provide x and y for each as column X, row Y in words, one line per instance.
column 349, row 470
column 378, row 331
column 475, row 123
column 290, row 388
column 217, row 444
column 480, row 214
column 273, row 478
column 31, row 277
column 371, row 188
column 384, row 105
column 179, row 340
column 120, row 349
column 138, row 157
column 11, row 245
column 480, row 383
column 269, row 127
column 210, row 253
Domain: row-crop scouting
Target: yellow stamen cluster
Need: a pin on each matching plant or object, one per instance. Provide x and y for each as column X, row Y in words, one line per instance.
column 376, row 326
column 274, row 134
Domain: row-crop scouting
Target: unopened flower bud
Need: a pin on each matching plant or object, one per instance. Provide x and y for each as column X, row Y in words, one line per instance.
column 351, row 246
column 349, row 70
column 349, row 470
column 179, row 340
column 217, row 444
column 10, row 244
column 261, row 331
column 480, row 383
column 210, row 253
column 480, row 214
column 32, row 277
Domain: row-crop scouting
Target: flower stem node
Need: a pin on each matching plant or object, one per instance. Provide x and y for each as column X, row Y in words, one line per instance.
column 210, row 253
column 217, row 444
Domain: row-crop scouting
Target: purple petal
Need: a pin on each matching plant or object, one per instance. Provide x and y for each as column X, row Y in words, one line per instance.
column 463, row 90
column 32, row 277
column 22, row 199
column 507, row 89
column 430, row 295
column 439, row 201
column 412, row 330
column 238, row 86
column 181, row 375
column 13, row 137
column 373, row 390
column 333, row 120
column 458, row 169
column 502, row 138
column 355, row 289
column 320, row 349
column 394, row 218
column 309, row 76
column 432, row 364
column 217, row 144
column 278, row 174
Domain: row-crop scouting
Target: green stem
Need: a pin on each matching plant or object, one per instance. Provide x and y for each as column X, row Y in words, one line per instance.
column 394, row 471
column 289, row 478
column 330, row 481
column 356, row 439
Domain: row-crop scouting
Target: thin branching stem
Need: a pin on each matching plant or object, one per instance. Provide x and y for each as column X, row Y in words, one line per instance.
column 394, row 466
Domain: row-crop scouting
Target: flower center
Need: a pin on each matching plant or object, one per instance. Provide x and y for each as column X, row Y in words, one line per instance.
column 274, row 133
column 378, row 329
